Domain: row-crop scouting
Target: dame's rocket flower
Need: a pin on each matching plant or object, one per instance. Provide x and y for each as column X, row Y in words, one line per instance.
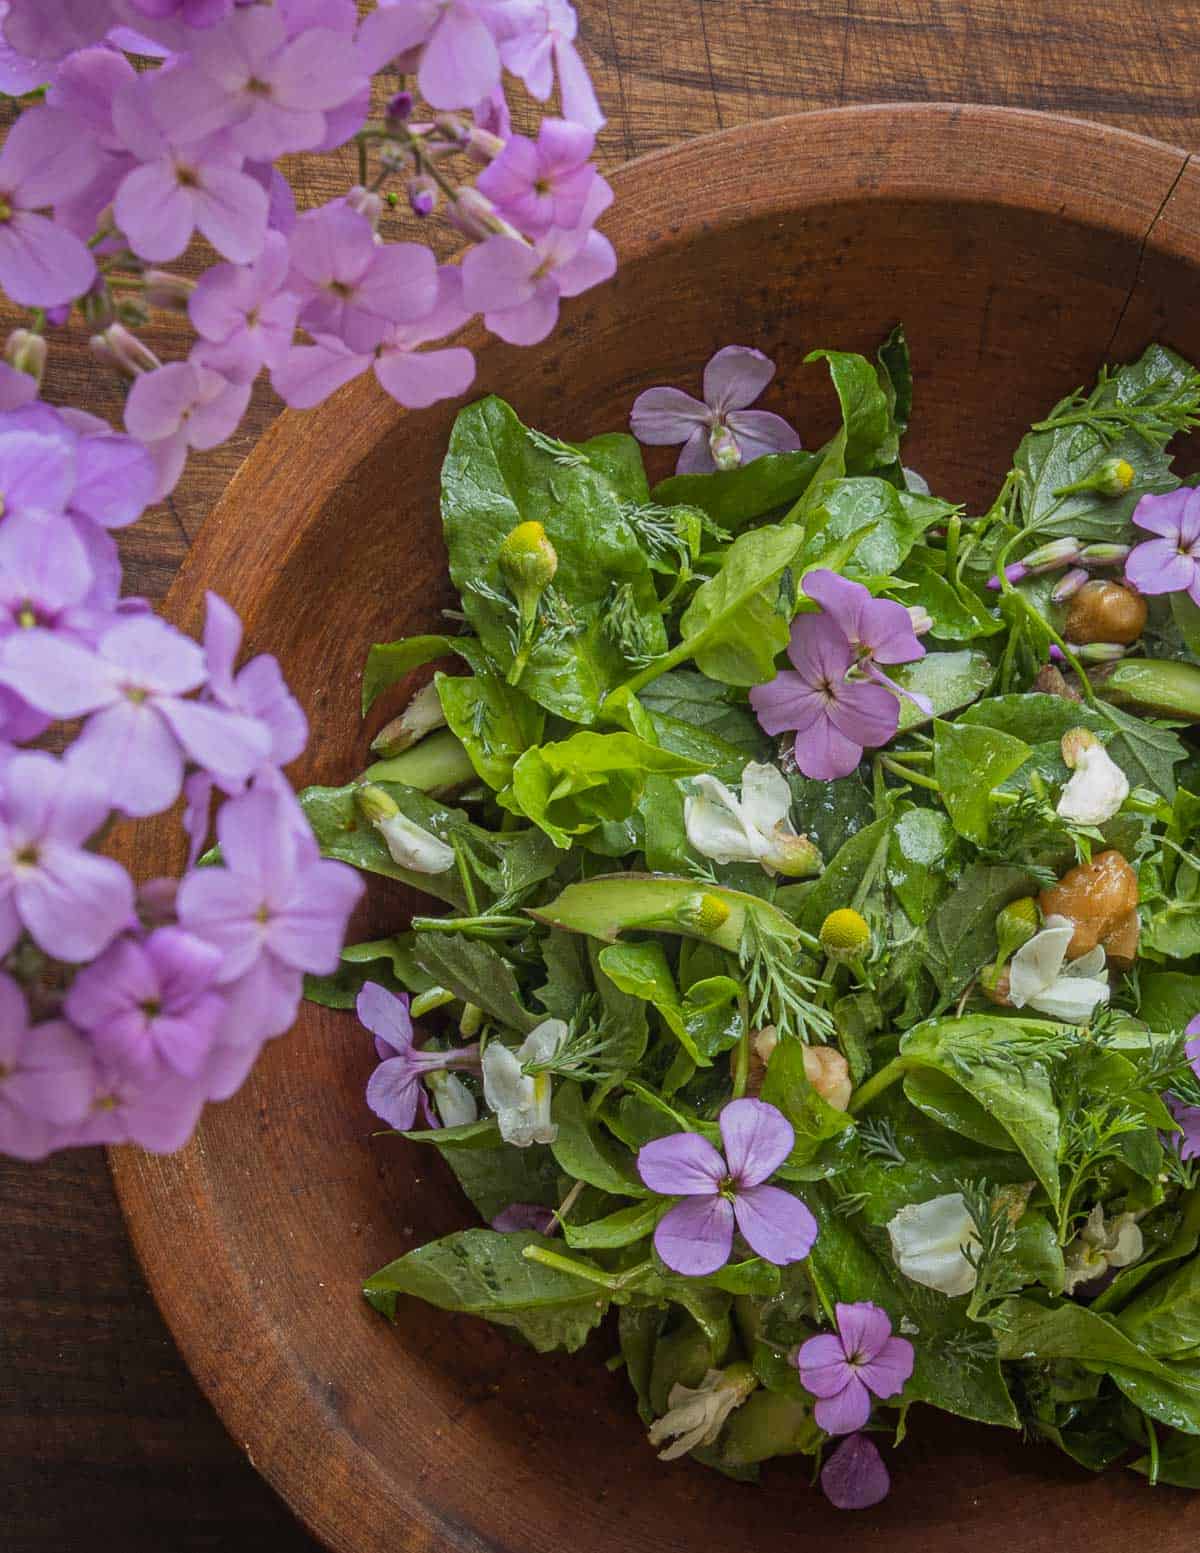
column 395, row 1089
column 44, row 159
column 1170, row 562
column 696, row 1236
column 854, row 1477
column 543, row 183
column 844, row 1369
column 46, row 1078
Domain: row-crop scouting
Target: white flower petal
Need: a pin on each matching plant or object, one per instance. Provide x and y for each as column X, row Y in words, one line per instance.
column 1126, row 1240
column 522, row 1101
column 716, row 826
column 1036, row 965
column 1097, row 788
column 542, row 1043
column 766, row 797
column 1090, row 964
column 413, row 848
column 1071, row 998
column 455, row 1103
column 927, row 1240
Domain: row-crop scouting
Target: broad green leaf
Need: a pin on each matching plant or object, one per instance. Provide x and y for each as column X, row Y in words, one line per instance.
column 920, row 861
column 1033, row 717
column 894, row 521
column 388, row 961
column 389, row 662
column 1178, row 1461
column 961, row 934
column 735, row 626
column 869, row 437
column 496, row 722
column 1146, row 753
column 344, row 834
column 475, row 972
column 949, row 680
column 685, row 696
column 481, row 1273
column 969, row 764
column 624, row 1228
column 1165, row 1319
column 855, row 870
column 438, row 765
column 1169, row 1000
column 586, row 1152
column 958, row 615
column 786, row 1087
column 735, row 498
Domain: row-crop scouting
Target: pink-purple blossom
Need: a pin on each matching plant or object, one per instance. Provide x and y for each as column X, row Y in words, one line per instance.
column 720, row 431
column 1170, row 562
column 395, row 1089
column 543, row 183
column 854, row 1477
column 151, row 1004
column 525, row 1216
column 185, row 404
column 846, row 1368
column 47, row 580
column 246, row 312
column 459, row 60
column 46, row 1080
column 539, row 41
column 44, row 158
column 192, row 13
column 721, row 1192
column 879, row 631
column 70, row 901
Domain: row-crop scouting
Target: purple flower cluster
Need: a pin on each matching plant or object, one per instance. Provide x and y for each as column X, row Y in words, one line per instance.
column 125, row 1012
column 115, row 170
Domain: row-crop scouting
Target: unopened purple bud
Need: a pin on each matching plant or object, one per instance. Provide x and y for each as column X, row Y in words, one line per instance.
column 1056, row 653
column 422, row 195
column 1015, row 573
column 1069, row 586
column 482, row 146
column 26, row 351
column 1048, row 558
column 58, row 317
column 1103, row 555
column 124, row 352
column 1099, row 652
column 453, row 128
column 171, row 292
column 399, row 108
column 366, row 203
column 475, row 216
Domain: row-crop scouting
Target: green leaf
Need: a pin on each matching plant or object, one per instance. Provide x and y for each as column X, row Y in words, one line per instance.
column 438, row 765
column 920, row 861
column 496, row 722
column 949, row 680
column 786, row 1087
column 1033, row 717
column 734, row 498
column 1165, row 1320
column 1146, row 753
column 494, row 1178
column 961, row 934
column 869, row 439
column 1168, row 1000
column 624, row 1228
column 685, row 696
column 733, row 625
column 344, row 834
column 389, row 662
column 586, row 1152
column 958, row 615
column 1186, row 615
column 476, row 973
column 495, row 476
column 481, row 1273
column 1178, row 1461
column 850, row 875
column 895, row 377
column 895, row 520
column 569, row 789
column 388, row 961
column 969, row 763
column 1015, row 1096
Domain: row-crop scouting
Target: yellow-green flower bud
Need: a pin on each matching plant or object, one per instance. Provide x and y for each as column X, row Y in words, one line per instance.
column 1016, row 925
column 702, row 913
column 845, row 934
column 528, row 560
column 1114, row 476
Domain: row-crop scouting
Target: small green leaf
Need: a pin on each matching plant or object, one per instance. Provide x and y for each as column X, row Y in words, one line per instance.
column 969, row 764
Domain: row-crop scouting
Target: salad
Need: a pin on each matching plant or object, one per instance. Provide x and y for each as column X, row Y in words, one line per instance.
column 817, row 947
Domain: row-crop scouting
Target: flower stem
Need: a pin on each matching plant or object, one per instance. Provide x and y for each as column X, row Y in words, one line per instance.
column 891, row 764
column 477, row 927
column 566, row 1264
column 878, row 1083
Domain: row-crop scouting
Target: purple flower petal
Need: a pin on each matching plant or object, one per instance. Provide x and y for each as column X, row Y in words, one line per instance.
column 823, row 753
column 684, row 1164
column 759, row 432
column 386, row 1016
column 757, row 1137
column 854, row 1477
column 394, row 1092
column 822, row 1364
column 663, row 416
column 695, row 457
column 41, row 263
column 1163, row 515
column 418, row 379
column 1158, row 567
column 846, row 1410
column 889, row 1371
column 735, row 377
column 696, row 1236
column 866, row 713
column 864, row 1328
column 776, row 1225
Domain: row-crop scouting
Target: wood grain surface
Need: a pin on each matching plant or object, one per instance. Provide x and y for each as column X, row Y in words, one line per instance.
column 104, row 1439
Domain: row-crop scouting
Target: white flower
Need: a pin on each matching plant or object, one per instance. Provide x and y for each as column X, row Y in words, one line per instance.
column 928, row 1240
column 696, row 1416
column 421, row 716
column 414, row 848
column 754, row 828
column 1037, row 975
column 1100, row 1245
column 455, row 1103
column 1098, row 787
column 521, row 1100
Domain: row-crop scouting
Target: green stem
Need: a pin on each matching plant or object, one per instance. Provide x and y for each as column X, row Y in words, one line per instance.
column 878, row 1083
column 741, row 1072
column 481, row 927
column 905, row 775
column 1152, row 1442
column 669, row 660
column 566, row 1264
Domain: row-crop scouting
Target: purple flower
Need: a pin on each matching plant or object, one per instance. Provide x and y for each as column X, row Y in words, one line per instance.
column 85, row 86
column 696, row 1236
column 149, row 1005
column 353, row 287
column 517, row 286
column 720, row 432
column 270, row 91
column 47, row 29
column 394, row 1090
column 543, row 183
column 1193, row 1046
column 414, row 377
column 834, row 718
column 540, row 39
column 139, row 727
column 258, row 691
column 192, row 13
column 854, row 1477
column 458, row 63
column 71, row 902
column 246, row 313
column 185, row 404
column 156, row 1111
column 45, row 1078
column 182, row 185
column 843, row 1369
column 45, row 157
column 274, row 910
column 878, row 630
column 18, row 74
column 46, row 580
column 37, row 464
column 17, row 388
column 1171, row 562
column 525, row 1215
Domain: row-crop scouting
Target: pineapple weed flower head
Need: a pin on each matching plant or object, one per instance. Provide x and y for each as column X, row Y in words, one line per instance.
column 114, row 165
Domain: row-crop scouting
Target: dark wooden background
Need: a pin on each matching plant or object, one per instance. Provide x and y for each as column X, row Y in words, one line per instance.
column 105, row 1442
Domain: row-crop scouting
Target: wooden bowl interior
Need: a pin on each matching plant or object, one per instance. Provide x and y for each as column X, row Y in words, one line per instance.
column 1016, row 278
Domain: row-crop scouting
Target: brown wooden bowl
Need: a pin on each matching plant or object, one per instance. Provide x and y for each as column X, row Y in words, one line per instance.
column 1021, row 251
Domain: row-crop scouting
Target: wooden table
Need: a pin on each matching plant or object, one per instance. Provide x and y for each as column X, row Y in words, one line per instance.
column 105, row 1441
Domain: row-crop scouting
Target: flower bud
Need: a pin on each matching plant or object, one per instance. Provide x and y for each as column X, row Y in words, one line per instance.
column 845, row 934
column 1048, row 558
column 421, row 716
column 796, row 857
column 829, row 1074
column 1103, row 555
column 723, row 446
column 474, row 215
column 1016, row 925
column 422, row 195
column 1114, row 477
column 122, row 351
column 409, row 845
column 172, row 292
column 922, row 620
column 27, row 352
column 528, row 561
column 1073, row 744
column 132, row 311
column 399, row 108
column 366, row 202
column 703, row 914
column 1099, row 652
column 97, row 305
column 1069, row 586
column 375, row 804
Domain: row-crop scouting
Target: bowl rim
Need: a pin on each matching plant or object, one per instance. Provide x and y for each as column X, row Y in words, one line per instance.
column 1040, row 162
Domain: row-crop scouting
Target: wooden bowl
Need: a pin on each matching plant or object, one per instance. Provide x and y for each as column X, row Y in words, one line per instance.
column 1021, row 252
